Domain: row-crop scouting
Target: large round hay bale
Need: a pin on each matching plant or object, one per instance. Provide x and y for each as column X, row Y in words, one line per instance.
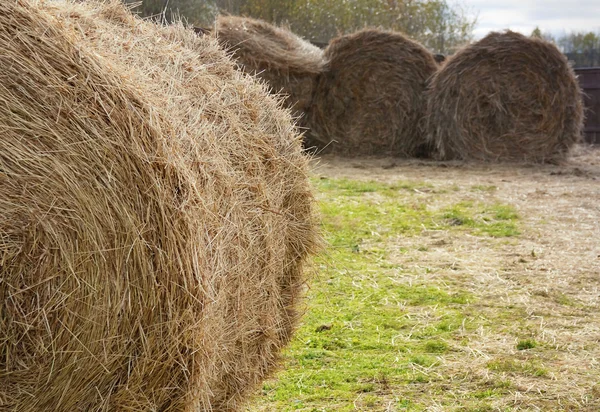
column 369, row 99
column 155, row 216
column 289, row 64
column 506, row 97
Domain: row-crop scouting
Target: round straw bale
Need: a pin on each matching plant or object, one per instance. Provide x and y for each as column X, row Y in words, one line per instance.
column 370, row 97
column 506, row 97
column 289, row 64
column 155, row 216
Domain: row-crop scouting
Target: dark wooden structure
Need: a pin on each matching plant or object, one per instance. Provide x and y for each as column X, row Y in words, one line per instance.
column 588, row 58
column 589, row 79
column 319, row 44
column 202, row 30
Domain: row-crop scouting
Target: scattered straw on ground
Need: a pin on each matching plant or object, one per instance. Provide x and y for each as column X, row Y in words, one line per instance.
column 543, row 285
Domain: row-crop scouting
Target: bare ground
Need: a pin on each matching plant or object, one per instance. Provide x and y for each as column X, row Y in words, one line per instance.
column 543, row 285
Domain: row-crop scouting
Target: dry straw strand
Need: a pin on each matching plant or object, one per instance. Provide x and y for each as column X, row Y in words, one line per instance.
column 155, row 216
column 288, row 64
column 505, row 98
column 370, row 97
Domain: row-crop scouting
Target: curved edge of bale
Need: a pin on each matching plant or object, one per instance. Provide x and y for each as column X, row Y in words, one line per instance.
column 370, row 96
column 179, row 181
column 505, row 98
column 288, row 64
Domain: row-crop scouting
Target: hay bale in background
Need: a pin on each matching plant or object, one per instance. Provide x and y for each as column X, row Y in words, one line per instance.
column 370, row 98
column 155, row 216
column 287, row 63
column 506, row 97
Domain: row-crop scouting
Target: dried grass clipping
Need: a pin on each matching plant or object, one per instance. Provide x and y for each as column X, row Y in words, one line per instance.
column 286, row 62
column 505, row 98
column 155, row 216
column 370, row 98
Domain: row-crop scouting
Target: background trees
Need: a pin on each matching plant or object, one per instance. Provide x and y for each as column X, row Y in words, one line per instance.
column 582, row 48
column 439, row 25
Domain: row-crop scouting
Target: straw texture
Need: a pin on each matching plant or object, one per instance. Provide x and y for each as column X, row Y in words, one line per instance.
column 505, row 98
column 370, row 97
column 155, row 216
column 288, row 64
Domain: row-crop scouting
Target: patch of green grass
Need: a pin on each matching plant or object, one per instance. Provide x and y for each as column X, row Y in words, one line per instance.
column 345, row 186
column 484, row 188
column 364, row 330
column 526, row 344
column 348, row 187
column 487, row 393
column 496, row 220
column 564, row 299
column 436, row 347
column 516, row 366
column 351, row 219
column 502, row 384
column 502, row 212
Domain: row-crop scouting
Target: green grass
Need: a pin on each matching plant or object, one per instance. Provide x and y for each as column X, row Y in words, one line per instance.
column 484, row 188
column 516, row 366
column 526, row 344
column 350, row 219
column 495, row 220
column 363, row 335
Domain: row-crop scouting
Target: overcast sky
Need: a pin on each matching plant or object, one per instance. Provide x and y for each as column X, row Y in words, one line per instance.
column 555, row 16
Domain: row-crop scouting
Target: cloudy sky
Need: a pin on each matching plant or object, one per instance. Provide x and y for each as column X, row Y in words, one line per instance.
column 555, row 16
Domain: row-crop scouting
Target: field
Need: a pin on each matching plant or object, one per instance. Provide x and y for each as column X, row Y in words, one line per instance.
column 450, row 287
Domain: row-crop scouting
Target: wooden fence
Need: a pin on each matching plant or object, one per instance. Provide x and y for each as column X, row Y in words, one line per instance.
column 589, row 79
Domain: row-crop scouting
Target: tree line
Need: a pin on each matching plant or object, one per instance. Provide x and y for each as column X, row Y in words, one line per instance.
column 437, row 24
column 582, row 48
